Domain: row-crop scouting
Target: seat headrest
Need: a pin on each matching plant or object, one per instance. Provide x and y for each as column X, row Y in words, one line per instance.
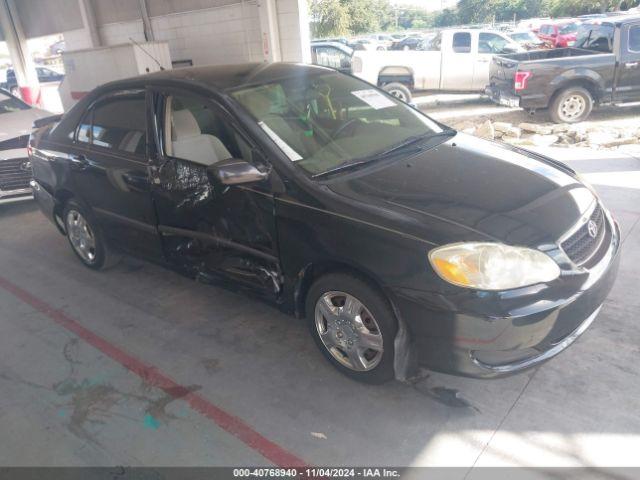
column 184, row 125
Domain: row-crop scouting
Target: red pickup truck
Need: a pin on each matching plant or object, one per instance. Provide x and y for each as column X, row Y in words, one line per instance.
column 559, row 34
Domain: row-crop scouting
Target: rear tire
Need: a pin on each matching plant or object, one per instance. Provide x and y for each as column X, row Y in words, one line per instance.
column 398, row 90
column 353, row 326
column 85, row 236
column 571, row 105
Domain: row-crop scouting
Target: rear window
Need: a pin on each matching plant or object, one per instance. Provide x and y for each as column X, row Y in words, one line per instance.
column 598, row 38
column 462, row 42
column 634, row 38
column 119, row 123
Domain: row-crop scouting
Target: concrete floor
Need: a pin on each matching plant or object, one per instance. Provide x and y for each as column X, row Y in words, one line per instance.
column 140, row 366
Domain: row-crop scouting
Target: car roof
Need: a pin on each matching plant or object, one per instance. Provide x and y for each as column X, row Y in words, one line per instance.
column 225, row 77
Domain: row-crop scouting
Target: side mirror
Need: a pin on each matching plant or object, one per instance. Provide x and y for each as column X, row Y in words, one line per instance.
column 234, row 171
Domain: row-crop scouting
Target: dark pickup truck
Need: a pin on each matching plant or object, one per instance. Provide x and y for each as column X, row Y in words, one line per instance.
column 602, row 68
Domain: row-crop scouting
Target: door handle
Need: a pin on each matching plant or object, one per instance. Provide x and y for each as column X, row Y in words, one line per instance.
column 78, row 162
column 631, row 64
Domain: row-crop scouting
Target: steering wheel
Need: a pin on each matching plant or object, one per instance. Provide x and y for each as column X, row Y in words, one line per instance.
column 342, row 128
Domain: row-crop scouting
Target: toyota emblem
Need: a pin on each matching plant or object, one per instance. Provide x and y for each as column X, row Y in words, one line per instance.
column 592, row 228
column 25, row 166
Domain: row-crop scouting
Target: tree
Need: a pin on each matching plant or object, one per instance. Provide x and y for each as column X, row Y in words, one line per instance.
column 344, row 17
column 414, row 17
column 369, row 15
column 328, row 18
column 446, row 18
column 562, row 8
column 483, row 11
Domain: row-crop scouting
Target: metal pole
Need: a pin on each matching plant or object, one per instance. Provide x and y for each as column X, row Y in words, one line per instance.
column 146, row 22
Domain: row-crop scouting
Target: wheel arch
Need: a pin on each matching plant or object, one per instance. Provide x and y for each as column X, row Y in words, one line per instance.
column 587, row 82
column 62, row 197
column 396, row 73
column 404, row 362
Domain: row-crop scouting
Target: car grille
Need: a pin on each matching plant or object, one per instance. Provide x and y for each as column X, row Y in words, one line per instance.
column 581, row 245
column 15, row 174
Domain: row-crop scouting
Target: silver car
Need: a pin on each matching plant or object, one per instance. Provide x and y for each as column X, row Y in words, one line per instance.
column 16, row 120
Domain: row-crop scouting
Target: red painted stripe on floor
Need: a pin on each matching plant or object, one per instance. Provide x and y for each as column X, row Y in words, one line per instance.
column 150, row 374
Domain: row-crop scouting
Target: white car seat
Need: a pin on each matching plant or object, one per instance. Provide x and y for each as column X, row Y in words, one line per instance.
column 189, row 143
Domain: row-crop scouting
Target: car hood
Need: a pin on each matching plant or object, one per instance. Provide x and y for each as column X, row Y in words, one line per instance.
column 16, row 124
column 469, row 188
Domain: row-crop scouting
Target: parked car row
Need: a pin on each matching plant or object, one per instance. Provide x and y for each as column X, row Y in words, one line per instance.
column 595, row 62
column 455, row 60
column 9, row 82
column 603, row 68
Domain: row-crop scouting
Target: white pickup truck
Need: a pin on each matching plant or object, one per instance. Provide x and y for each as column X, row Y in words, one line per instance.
column 455, row 60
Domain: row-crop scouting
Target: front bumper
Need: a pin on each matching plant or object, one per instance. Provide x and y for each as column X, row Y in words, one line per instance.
column 15, row 173
column 491, row 334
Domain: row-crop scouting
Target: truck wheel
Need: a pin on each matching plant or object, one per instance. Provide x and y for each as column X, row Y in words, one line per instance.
column 398, row 90
column 353, row 326
column 571, row 105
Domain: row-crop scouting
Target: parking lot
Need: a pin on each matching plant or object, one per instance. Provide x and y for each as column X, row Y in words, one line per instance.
column 138, row 365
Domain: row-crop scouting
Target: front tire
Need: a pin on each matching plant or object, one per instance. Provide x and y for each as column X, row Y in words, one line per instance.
column 571, row 105
column 353, row 326
column 398, row 90
column 84, row 236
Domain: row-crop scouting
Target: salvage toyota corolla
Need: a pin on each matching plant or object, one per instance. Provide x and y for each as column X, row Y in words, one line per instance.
column 401, row 241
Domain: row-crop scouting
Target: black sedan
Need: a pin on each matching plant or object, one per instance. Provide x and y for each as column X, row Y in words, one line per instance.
column 409, row 43
column 401, row 242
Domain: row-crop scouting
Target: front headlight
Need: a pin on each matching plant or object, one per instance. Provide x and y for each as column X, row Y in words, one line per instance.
column 492, row 266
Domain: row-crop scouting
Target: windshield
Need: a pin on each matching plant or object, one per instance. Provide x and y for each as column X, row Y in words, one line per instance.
column 10, row 104
column 569, row 28
column 524, row 37
column 323, row 121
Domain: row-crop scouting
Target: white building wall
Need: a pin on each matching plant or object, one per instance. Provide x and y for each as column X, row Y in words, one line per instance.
column 220, row 35
column 229, row 34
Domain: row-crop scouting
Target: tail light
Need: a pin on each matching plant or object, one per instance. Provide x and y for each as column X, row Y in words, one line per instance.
column 520, row 81
column 29, row 150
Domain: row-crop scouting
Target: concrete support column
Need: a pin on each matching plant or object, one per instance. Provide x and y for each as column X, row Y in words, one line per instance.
column 89, row 21
column 269, row 30
column 304, row 31
column 23, row 65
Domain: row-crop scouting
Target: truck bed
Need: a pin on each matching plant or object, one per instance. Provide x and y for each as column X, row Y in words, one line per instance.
column 546, row 68
column 535, row 55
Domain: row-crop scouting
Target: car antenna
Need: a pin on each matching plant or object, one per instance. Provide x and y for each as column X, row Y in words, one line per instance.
column 147, row 53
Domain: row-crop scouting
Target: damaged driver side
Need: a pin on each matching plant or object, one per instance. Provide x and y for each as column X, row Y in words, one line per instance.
column 214, row 205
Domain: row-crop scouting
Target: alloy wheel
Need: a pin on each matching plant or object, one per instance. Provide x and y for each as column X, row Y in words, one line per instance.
column 81, row 236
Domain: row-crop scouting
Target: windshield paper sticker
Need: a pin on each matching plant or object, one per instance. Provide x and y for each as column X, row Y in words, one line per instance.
column 289, row 152
column 374, row 98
